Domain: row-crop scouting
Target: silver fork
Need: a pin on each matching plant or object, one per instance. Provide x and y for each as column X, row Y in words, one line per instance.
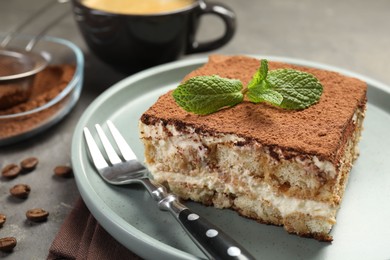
column 215, row 243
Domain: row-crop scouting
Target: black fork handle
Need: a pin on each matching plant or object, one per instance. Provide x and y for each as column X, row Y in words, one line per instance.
column 214, row 242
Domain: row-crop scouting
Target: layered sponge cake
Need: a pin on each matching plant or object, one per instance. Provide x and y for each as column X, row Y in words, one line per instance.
column 277, row 166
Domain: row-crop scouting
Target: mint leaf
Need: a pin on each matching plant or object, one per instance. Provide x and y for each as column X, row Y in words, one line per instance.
column 264, row 94
column 208, row 94
column 299, row 89
column 260, row 75
column 259, row 89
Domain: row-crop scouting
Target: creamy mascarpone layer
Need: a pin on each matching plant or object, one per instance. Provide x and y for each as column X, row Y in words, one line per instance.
column 285, row 205
column 182, row 140
column 174, row 142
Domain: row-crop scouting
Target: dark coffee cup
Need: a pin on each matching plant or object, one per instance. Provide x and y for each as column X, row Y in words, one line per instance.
column 132, row 42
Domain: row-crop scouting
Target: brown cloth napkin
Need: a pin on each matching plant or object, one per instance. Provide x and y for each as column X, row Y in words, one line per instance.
column 81, row 237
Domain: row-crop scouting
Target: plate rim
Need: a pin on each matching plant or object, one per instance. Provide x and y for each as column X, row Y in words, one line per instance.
column 105, row 218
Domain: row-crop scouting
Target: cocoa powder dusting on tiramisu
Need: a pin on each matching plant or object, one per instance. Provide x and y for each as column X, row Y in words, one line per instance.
column 317, row 130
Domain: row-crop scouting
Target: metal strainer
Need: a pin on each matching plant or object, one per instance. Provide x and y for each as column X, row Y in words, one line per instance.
column 19, row 66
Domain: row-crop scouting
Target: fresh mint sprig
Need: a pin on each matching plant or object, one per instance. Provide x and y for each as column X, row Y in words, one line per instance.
column 285, row 88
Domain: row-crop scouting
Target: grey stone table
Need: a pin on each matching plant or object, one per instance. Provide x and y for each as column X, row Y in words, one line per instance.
column 351, row 34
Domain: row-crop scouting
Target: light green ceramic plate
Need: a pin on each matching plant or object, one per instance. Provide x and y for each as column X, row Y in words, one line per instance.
column 132, row 217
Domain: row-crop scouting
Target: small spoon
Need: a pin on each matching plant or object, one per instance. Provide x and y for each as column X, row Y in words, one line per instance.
column 17, row 66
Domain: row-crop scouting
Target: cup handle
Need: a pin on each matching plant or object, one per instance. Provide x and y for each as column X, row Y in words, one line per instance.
column 228, row 17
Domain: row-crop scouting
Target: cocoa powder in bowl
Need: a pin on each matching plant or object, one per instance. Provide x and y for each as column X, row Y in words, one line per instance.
column 46, row 86
column 15, row 91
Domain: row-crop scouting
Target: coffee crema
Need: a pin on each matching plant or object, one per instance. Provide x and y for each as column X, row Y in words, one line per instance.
column 136, row 6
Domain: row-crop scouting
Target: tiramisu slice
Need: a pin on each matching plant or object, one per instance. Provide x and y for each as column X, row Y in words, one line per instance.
column 277, row 166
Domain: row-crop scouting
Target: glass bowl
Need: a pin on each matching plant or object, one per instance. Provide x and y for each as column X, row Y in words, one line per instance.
column 26, row 120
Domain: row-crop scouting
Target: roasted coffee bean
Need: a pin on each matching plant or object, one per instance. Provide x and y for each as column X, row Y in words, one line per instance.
column 11, row 171
column 7, row 244
column 20, row 191
column 3, row 218
column 63, row 171
column 29, row 163
column 37, row 215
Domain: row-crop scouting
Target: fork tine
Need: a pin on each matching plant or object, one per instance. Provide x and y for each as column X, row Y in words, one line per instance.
column 111, row 153
column 96, row 155
column 125, row 149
